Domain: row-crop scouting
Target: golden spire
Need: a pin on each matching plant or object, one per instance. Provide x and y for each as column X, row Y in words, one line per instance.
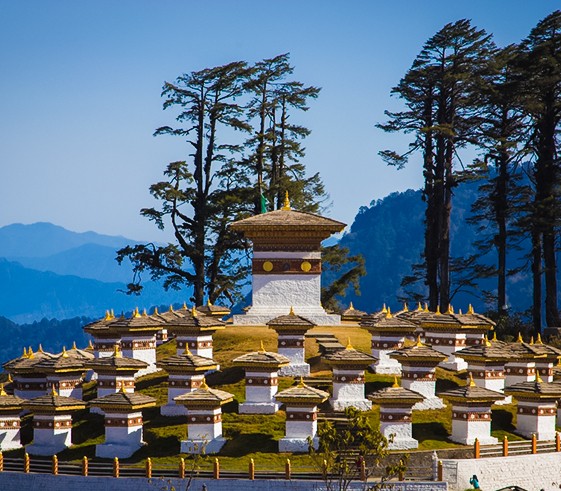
column 135, row 313
column 405, row 307
column 112, row 314
column 487, row 342
column 450, row 309
column 286, row 204
column 538, row 378
column 395, row 382
column 10, row 379
column 388, row 313
column 40, row 348
column 438, row 310
column 208, row 303
column 155, row 311
column 53, row 390
column 122, row 388
column 539, row 339
column 74, row 345
column 349, row 345
column 419, row 343
column 494, row 336
column 187, row 351
column 24, row 355
column 351, row 307
column 185, row 306
column 203, row 384
column 2, row 391
column 30, row 353
column 90, row 345
column 144, row 314
column 194, row 312
column 470, row 310
column 531, row 340
column 471, row 381
column 419, row 307
column 107, row 315
column 262, row 348
column 170, row 308
column 291, row 311
column 426, row 309
column 117, row 352
column 301, row 383
column 64, row 353
column 384, row 309
column 519, row 340
column 460, row 311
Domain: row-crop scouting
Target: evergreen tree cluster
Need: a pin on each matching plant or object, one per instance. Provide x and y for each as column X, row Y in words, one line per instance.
column 463, row 95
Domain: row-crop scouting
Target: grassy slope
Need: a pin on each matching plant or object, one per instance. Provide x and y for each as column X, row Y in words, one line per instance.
column 256, row 436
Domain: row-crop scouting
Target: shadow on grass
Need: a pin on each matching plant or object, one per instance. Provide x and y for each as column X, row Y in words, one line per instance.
column 226, row 376
column 244, row 444
column 151, row 380
column 502, row 420
column 376, row 385
column 430, row 431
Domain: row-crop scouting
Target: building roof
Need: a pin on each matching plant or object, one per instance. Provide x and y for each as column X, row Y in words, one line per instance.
column 261, row 359
column 211, row 309
column 532, row 350
column 535, row 389
column 302, row 394
column 116, row 363
column 53, row 402
column 136, row 322
column 352, row 314
column 472, row 393
column 490, row 351
column 192, row 320
column 290, row 320
column 395, row 394
column 386, row 321
column 9, row 402
column 28, row 361
column 187, row 362
column 349, row 356
column 100, row 324
column 417, row 352
column 63, row 362
column 123, row 401
column 204, row 396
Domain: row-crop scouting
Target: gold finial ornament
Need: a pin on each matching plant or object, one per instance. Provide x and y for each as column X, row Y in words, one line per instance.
column 531, row 340
column 405, row 307
column 144, row 313
column 40, row 348
column 53, row 390
column 90, row 344
column 291, row 311
column 25, row 355
column 208, row 304
column 135, row 313
column 349, row 345
column 487, row 342
column 10, row 379
column 471, row 381
column 122, row 389
column 419, row 307
column 388, row 313
column 64, row 353
column 107, row 315
column 438, row 310
column 384, row 309
column 262, row 348
column 204, row 384
column 112, row 312
column 460, row 311
column 395, row 382
column 301, row 383
column 286, row 204
column 74, row 345
column 117, row 352
column 450, row 309
column 426, row 309
column 419, row 343
column 539, row 339
column 351, row 306
column 194, row 312
column 30, row 353
column 2, row 391
column 470, row 310
column 519, row 340
column 185, row 306
column 494, row 336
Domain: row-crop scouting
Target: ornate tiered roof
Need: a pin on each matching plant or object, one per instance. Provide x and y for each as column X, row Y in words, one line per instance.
column 9, row 403
column 53, row 402
column 535, row 389
column 352, row 314
column 116, row 363
column 486, row 351
column 262, row 359
column 533, row 350
column 213, row 310
column 136, row 322
column 124, row 401
column 386, row 321
column 417, row 352
column 455, row 321
column 395, row 395
column 349, row 357
column 187, row 363
column 302, row 394
column 28, row 361
column 204, row 396
column 472, row 393
column 290, row 321
column 101, row 324
column 192, row 321
column 64, row 362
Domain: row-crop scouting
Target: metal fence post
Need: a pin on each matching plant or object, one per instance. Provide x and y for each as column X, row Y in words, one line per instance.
column 287, row 470
column 440, row 471
column 148, row 467
column 251, row 469
column 505, row 446
column 181, row 468
column 534, row 443
column 116, row 467
column 55, row 465
column 26, row 463
column 84, row 466
column 216, row 469
column 476, row 449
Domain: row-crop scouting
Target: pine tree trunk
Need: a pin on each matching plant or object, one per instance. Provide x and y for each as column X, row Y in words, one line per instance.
column 550, row 266
column 536, row 280
column 501, row 210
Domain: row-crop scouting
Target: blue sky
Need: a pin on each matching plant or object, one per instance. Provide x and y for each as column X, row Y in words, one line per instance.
column 80, row 92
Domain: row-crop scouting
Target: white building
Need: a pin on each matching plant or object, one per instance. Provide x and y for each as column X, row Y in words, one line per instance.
column 10, row 421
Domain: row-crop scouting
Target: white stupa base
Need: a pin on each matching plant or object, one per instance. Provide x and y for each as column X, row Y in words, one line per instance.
column 258, row 407
column 259, row 315
column 10, row 440
column 45, row 449
column 507, row 400
column 483, row 439
column 203, row 446
column 403, row 444
column 296, row 445
column 455, row 365
column 295, row 370
column 341, row 405
column 387, row 368
column 173, row 410
column 429, row 403
column 112, row 450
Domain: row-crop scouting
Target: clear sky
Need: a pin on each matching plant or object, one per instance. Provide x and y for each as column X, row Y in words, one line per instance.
column 80, row 90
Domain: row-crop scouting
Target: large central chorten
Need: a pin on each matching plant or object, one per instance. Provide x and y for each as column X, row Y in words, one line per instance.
column 287, row 264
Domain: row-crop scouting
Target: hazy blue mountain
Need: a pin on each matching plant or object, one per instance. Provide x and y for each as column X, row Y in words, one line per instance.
column 45, row 239
column 91, row 261
column 32, row 295
column 389, row 234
